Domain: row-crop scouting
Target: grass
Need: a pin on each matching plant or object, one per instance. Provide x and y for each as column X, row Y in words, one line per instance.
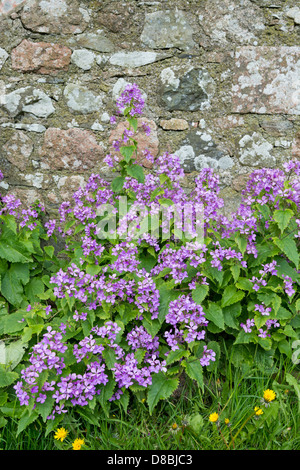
column 182, row 422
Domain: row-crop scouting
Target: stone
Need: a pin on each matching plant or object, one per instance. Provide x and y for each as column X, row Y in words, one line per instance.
column 83, row 58
column 133, row 59
column 115, row 21
column 294, row 13
column 256, row 151
column 54, row 16
column 174, row 124
column 230, row 121
column 3, row 57
column 18, row 150
column 144, row 142
column 67, row 185
column 296, row 146
column 224, row 25
column 73, row 149
column 40, row 57
column 28, row 100
column 27, row 196
column 239, row 183
column 191, row 92
column 8, row 6
column 200, row 151
column 266, row 80
column 167, row 29
column 278, row 126
column 38, row 180
column 82, row 100
column 95, row 41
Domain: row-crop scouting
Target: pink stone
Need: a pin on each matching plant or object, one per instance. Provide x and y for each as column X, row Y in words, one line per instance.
column 73, row 149
column 144, row 142
column 40, row 57
column 296, row 146
column 266, row 80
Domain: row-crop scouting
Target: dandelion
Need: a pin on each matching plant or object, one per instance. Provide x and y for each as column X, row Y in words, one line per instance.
column 269, row 395
column 226, row 421
column 61, row 434
column 258, row 411
column 77, row 444
column 213, row 417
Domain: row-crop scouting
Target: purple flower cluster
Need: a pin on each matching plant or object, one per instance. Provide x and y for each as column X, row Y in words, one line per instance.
column 186, row 317
column 132, row 98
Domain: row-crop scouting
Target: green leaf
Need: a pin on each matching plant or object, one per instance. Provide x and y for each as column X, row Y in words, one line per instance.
column 282, row 218
column 136, row 171
column 109, row 357
column 117, row 184
column 34, row 289
column 13, row 322
column 14, row 251
column 12, row 354
column 10, row 222
column 26, row 419
column 133, row 122
column 44, row 409
column 6, row 377
column 215, row 315
column 241, row 243
column 194, row 370
column 13, row 281
column 235, row 270
column 244, row 284
column 291, row 380
column 166, row 295
column 289, row 248
column 160, row 389
column 200, row 293
column 176, row 355
column 127, row 151
column 231, row 295
column 230, row 315
column 49, row 250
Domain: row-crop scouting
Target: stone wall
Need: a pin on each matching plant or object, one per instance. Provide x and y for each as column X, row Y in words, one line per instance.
column 221, row 79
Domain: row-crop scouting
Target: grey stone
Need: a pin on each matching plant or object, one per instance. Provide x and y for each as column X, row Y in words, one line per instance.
column 224, row 23
column 81, row 100
column 83, row 58
column 200, row 151
column 192, row 92
column 167, row 29
column 28, row 100
column 3, row 57
column 256, row 151
column 277, row 126
column 96, row 41
column 133, row 59
column 294, row 13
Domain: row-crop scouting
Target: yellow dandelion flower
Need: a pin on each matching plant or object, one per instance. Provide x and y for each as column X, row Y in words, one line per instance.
column 61, row 434
column 213, row 417
column 174, row 426
column 77, row 444
column 258, row 411
column 269, row 395
column 226, row 421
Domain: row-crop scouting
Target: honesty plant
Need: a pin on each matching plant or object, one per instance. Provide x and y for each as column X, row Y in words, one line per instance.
column 154, row 282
